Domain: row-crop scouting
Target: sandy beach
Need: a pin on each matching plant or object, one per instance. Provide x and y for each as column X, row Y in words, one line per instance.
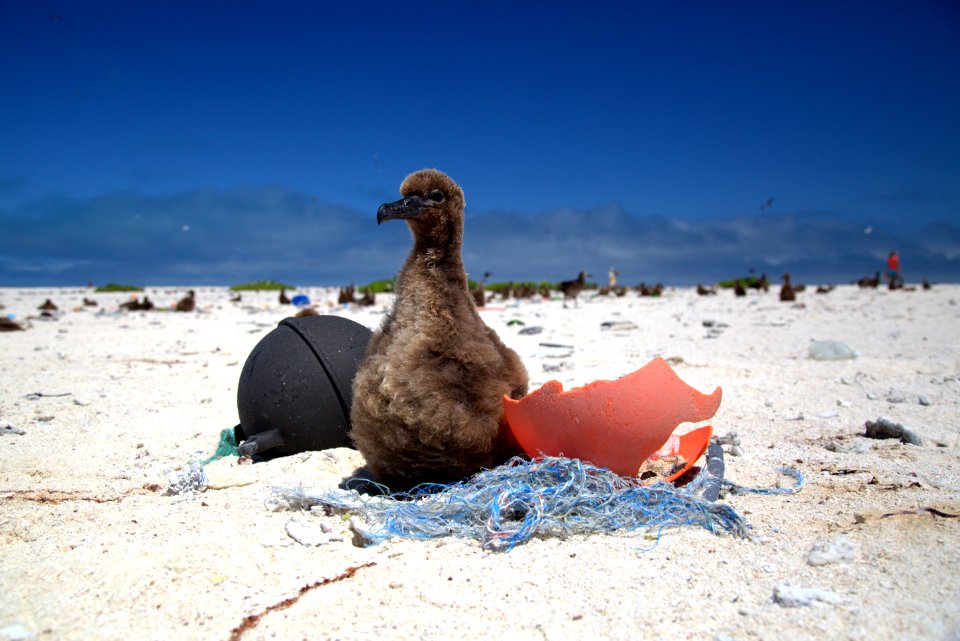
column 100, row 409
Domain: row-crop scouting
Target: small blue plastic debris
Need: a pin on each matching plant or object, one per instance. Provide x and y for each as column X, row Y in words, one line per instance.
column 300, row 300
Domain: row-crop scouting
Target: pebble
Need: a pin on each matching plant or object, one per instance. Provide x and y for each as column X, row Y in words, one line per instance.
column 730, row 438
column 924, row 400
column 16, row 632
column 885, row 428
column 833, row 551
column 529, row 331
column 790, row 596
column 308, row 534
column 831, row 351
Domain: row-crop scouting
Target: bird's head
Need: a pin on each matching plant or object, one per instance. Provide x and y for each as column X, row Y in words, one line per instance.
column 432, row 205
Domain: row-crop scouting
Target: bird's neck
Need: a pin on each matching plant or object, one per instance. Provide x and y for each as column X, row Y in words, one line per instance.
column 443, row 266
column 438, row 248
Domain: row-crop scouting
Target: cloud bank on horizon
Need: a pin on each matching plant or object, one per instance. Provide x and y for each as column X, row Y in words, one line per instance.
column 223, row 237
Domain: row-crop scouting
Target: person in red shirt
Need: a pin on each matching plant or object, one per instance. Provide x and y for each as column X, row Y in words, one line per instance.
column 893, row 270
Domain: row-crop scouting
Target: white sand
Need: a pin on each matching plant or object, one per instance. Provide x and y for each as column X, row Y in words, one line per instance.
column 92, row 548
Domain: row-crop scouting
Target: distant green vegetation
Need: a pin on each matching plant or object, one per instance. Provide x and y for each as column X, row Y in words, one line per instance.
column 260, row 285
column 114, row 287
column 379, row 286
column 537, row 285
column 746, row 281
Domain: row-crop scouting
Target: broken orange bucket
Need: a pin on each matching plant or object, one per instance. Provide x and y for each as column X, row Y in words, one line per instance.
column 615, row 424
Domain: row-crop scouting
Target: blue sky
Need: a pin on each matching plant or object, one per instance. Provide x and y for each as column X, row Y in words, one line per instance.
column 211, row 143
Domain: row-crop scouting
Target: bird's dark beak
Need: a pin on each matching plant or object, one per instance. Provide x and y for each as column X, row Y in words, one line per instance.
column 407, row 208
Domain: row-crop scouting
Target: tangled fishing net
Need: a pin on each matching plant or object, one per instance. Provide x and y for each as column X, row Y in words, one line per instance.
column 549, row 496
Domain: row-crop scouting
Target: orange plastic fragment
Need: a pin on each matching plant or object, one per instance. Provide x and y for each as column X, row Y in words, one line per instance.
column 613, row 424
column 690, row 447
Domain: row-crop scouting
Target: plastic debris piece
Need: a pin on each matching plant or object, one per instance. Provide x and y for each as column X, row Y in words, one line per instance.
column 519, row 500
column 613, row 424
column 831, row 351
column 530, row 331
column 618, row 326
column 683, row 450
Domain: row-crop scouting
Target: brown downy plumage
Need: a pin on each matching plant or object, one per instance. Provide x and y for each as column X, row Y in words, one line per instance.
column 787, row 292
column 427, row 401
column 572, row 288
column 479, row 292
column 188, row 303
column 347, row 295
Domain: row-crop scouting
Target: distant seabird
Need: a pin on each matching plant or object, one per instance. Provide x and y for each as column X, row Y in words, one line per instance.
column 479, row 292
column 7, row 325
column 761, row 283
column 306, row 311
column 347, row 295
column 767, row 205
column 427, row 399
column 188, row 302
column 48, row 306
column 787, row 292
column 89, row 303
column 646, row 290
column 284, row 300
column 368, row 299
column 131, row 305
column 867, row 281
column 572, row 288
column 738, row 288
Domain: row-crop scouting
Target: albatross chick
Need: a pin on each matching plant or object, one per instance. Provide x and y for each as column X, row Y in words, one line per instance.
column 188, row 303
column 427, row 401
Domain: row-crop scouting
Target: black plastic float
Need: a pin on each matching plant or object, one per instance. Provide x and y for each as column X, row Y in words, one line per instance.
column 295, row 389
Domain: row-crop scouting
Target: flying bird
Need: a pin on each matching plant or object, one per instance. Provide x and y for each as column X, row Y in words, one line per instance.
column 767, row 205
column 427, row 398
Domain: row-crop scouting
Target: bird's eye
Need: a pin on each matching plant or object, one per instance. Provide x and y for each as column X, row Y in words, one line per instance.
column 436, row 196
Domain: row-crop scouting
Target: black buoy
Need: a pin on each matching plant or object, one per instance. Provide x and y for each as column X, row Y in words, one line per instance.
column 295, row 389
